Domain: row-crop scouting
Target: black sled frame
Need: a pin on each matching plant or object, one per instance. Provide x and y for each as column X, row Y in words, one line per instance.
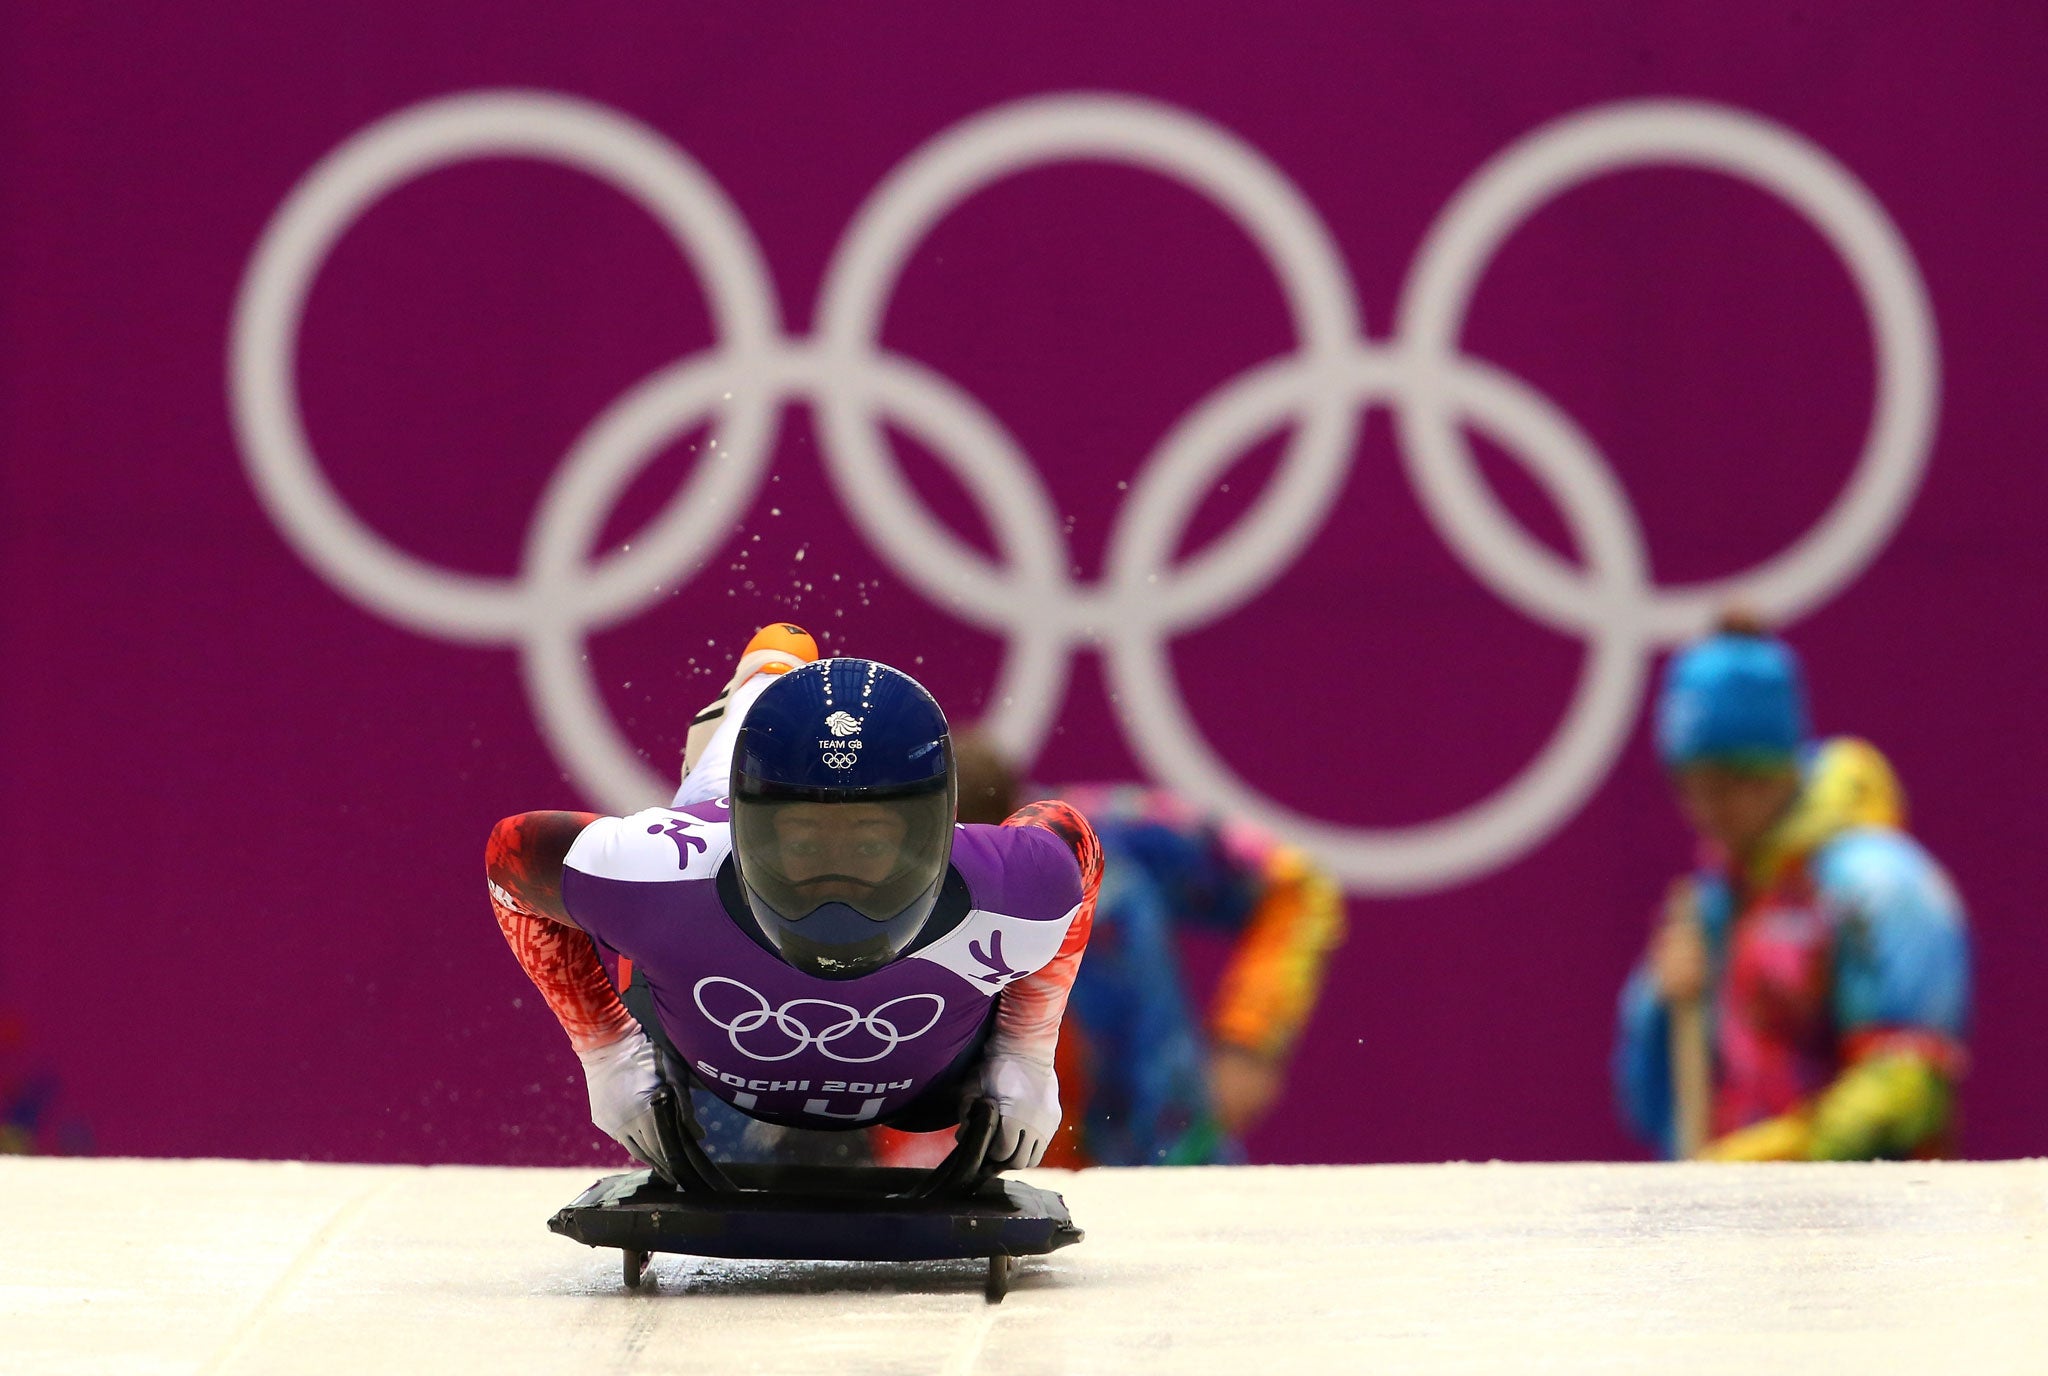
column 960, row 1208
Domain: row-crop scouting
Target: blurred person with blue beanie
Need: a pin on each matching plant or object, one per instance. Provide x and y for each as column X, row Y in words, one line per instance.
column 1807, row 993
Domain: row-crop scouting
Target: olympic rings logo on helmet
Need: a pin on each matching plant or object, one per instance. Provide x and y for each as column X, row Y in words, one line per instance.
column 839, row 759
column 790, row 1025
column 1320, row 391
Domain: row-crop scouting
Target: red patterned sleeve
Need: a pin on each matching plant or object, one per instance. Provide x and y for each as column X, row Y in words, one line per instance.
column 1028, row 1013
column 524, row 864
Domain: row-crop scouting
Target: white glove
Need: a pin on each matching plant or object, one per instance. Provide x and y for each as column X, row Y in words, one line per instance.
column 622, row 1078
column 1027, row 1099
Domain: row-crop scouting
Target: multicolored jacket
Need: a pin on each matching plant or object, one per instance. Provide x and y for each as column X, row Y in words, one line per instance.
column 1133, row 1053
column 1839, row 986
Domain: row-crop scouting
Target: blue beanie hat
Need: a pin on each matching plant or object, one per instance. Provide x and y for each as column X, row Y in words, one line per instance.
column 1733, row 698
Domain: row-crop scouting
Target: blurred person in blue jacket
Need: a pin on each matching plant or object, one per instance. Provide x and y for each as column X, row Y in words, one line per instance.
column 1818, row 950
column 1146, row 1077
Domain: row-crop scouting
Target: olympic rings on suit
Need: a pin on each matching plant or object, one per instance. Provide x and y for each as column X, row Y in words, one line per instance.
column 801, row 1036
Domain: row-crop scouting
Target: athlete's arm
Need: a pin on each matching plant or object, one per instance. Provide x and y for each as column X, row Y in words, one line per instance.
column 1028, row 1012
column 524, row 865
column 524, row 862
column 1017, row 1067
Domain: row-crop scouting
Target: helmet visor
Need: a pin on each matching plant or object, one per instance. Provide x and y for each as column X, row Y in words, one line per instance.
column 855, row 877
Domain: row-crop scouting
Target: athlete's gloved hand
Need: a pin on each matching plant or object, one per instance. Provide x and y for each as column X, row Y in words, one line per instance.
column 622, row 1078
column 1026, row 1094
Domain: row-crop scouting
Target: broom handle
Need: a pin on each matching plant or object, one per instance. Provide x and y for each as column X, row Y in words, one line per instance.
column 1691, row 1062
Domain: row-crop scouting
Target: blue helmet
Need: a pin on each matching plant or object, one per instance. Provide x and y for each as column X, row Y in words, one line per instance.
column 842, row 814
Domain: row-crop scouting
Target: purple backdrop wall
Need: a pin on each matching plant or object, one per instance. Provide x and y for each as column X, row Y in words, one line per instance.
column 245, row 915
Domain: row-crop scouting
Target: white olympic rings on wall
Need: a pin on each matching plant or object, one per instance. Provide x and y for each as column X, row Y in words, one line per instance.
column 1320, row 390
column 790, row 1024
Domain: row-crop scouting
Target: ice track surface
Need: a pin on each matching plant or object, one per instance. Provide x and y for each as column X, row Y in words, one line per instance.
column 240, row 1267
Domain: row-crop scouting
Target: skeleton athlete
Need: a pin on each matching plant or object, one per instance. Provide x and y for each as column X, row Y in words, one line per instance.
column 819, row 943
